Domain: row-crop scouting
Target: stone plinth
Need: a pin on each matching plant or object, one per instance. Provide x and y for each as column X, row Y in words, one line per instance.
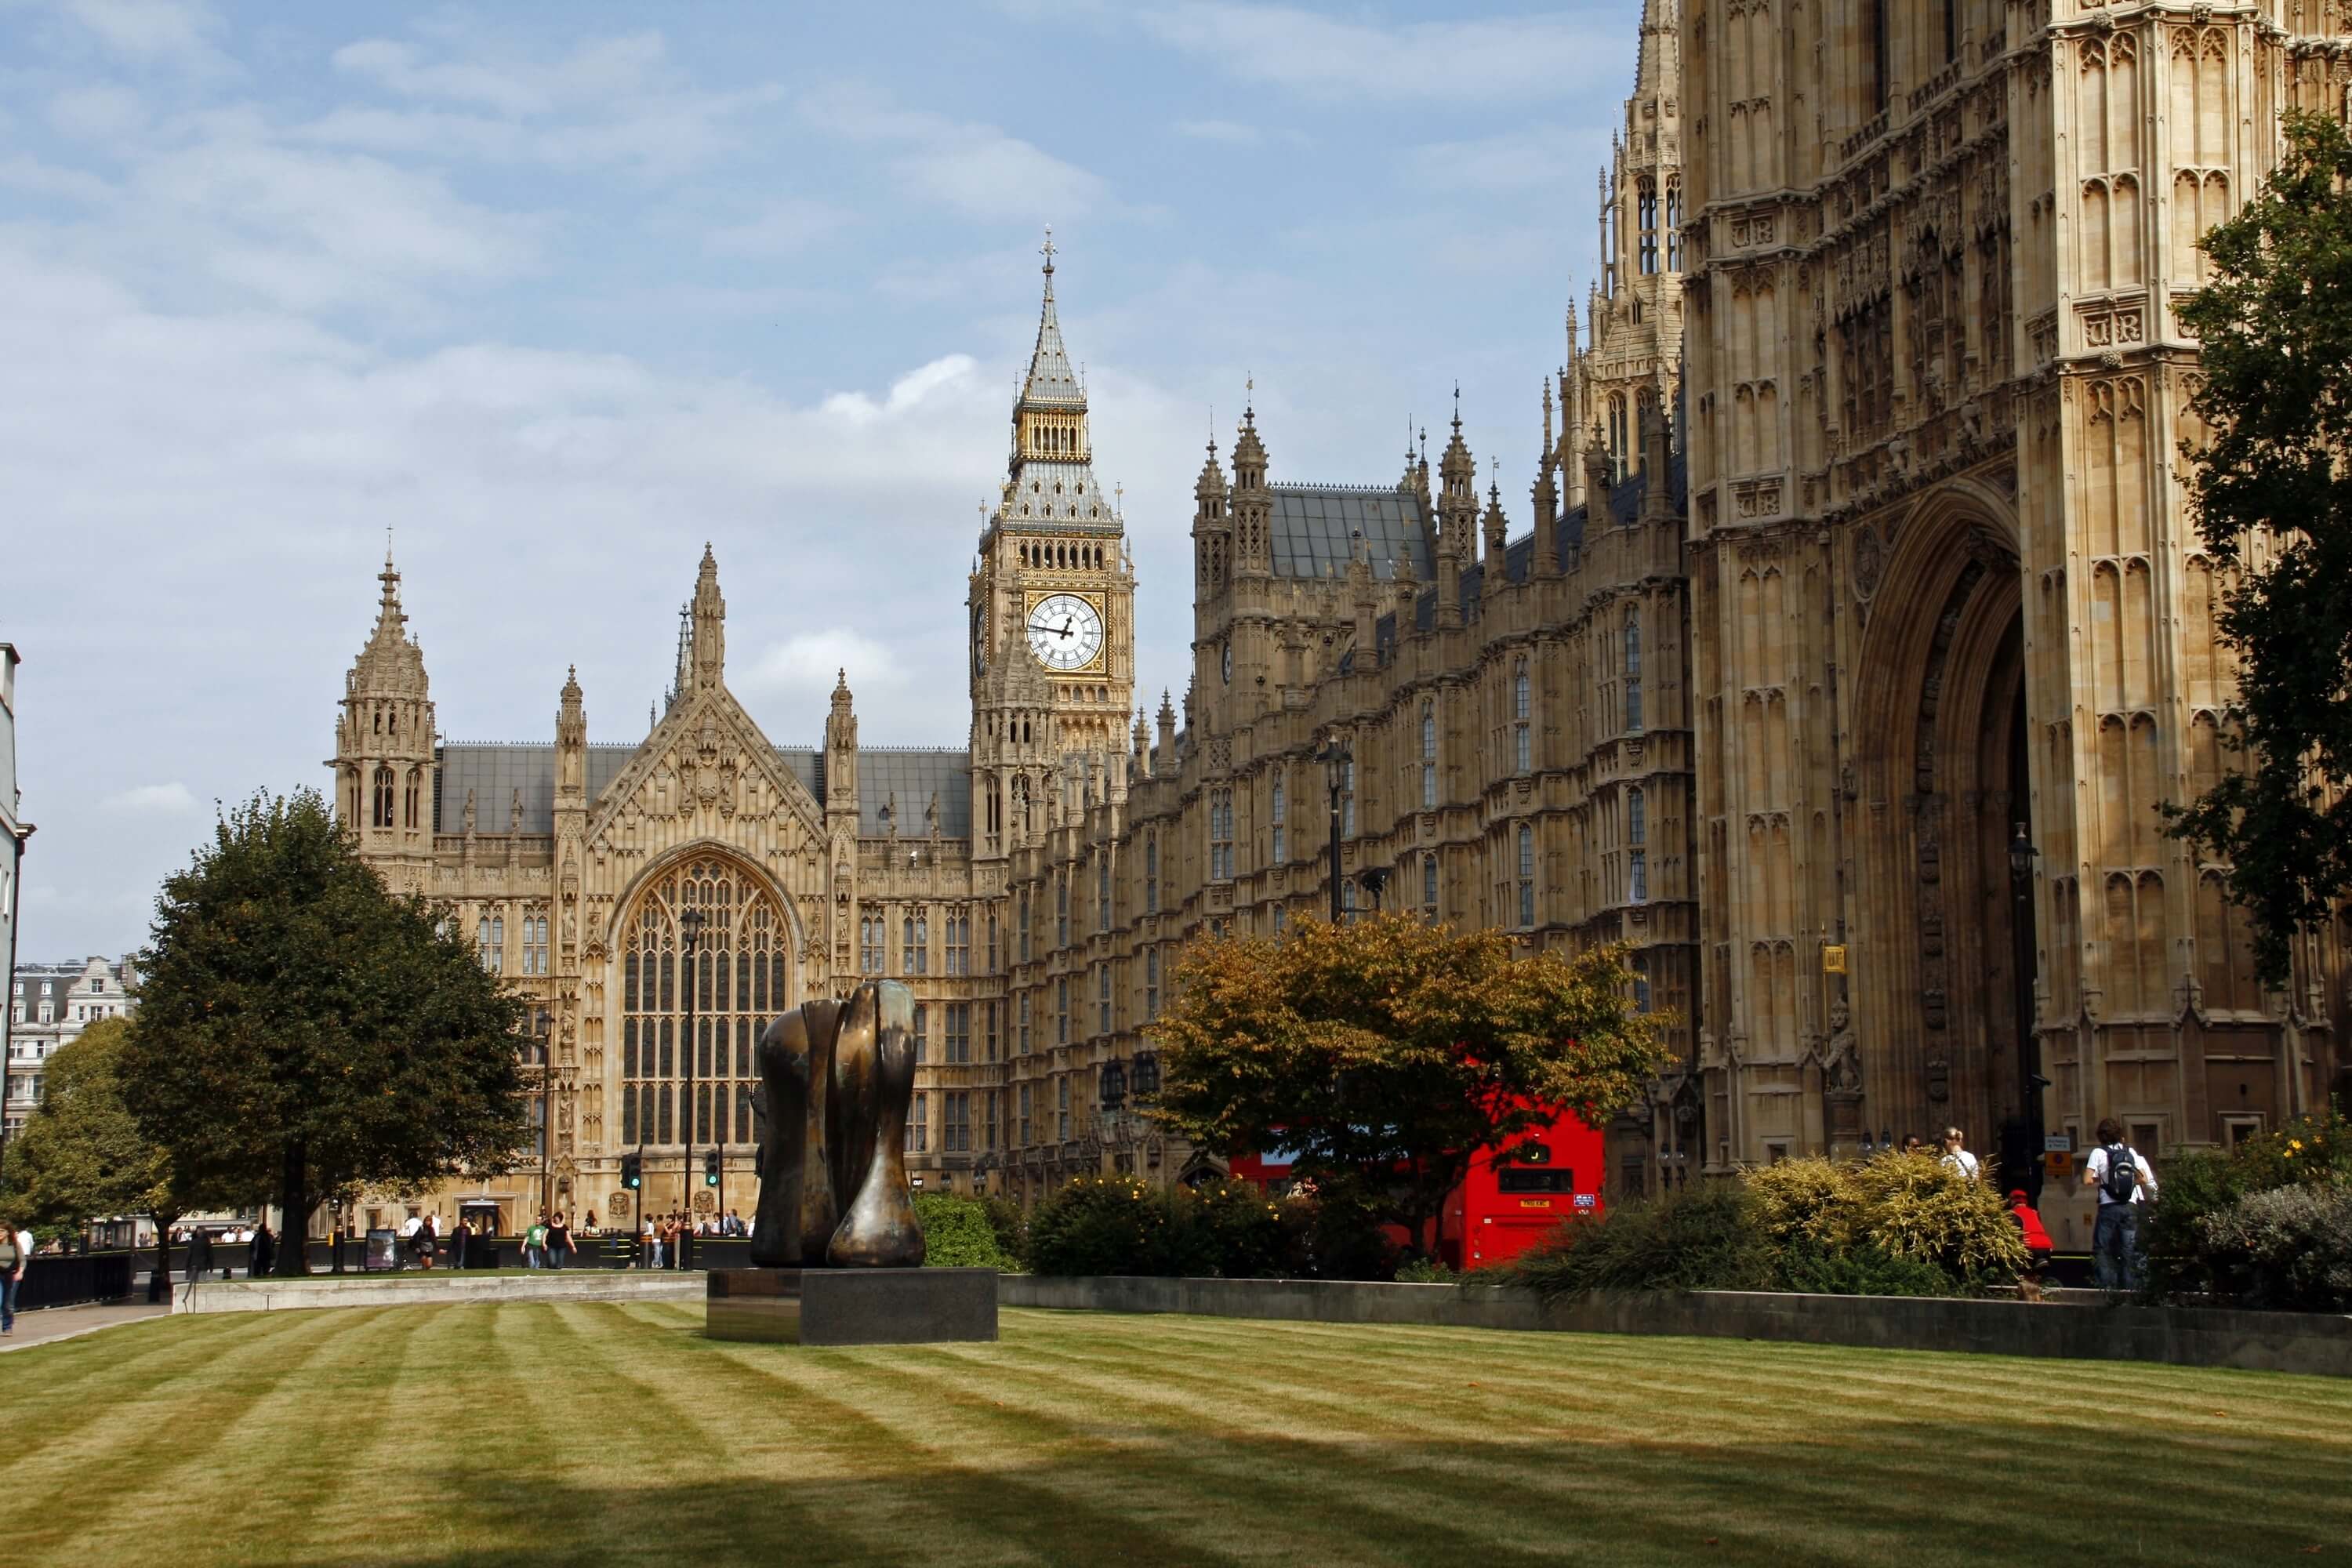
column 851, row 1306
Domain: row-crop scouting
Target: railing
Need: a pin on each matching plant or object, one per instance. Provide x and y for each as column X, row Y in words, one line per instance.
column 63, row 1280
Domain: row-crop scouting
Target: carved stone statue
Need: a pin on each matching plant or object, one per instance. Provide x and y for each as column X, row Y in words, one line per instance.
column 836, row 1080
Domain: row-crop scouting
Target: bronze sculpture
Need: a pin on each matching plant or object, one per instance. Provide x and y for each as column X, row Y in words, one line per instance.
column 836, row 1080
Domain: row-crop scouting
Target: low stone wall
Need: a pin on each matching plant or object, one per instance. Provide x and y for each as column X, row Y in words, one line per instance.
column 433, row 1290
column 2181, row 1336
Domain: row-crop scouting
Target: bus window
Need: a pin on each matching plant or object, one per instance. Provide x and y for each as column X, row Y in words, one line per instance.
column 1511, row 1179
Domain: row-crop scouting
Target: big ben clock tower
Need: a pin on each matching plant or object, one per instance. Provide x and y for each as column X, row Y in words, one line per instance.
column 1052, row 606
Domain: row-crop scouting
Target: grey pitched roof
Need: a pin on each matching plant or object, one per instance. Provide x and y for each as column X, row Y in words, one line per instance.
column 1314, row 527
column 495, row 771
column 1061, row 496
column 1051, row 380
column 914, row 775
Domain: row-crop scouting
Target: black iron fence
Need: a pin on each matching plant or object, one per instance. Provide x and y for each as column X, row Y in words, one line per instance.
column 53, row 1280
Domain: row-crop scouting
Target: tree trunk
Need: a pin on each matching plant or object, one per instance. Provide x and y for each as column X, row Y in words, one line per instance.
column 294, row 1218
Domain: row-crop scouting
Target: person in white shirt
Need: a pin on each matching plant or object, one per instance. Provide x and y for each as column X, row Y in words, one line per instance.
column 16, row 1252
column 1956, row 1155
column 2123, row 1180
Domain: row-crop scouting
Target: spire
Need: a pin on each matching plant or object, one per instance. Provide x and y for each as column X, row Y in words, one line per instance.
column 391, row 664
column 1051, row 382
column 570, row 716
column 710, row 623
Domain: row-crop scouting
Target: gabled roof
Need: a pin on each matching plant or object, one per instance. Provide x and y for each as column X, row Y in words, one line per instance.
column 1316, row 528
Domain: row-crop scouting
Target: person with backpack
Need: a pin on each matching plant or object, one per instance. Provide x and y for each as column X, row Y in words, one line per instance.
column 16, row 1252
column 2123, row 1180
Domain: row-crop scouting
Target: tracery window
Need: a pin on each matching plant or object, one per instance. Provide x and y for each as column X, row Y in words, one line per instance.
column 1428, row 756
column 1024, row 1022
column 959, row 941
column 1347, row 799
column 381, row 814
column 1673, row 226
column 1023, row 923
column 1617, row 438
column 915, row 944
column 491, row 943
column 1646, row 204
column 873, row 941
column 1062, row 910
column 1221, row 835
column 1526, row 877
column 1062, row 1011
column 1102, row 889
column 1102, row 994
column 1637, row 858
column 1152, row 875
column 1634, row 672
column 957, row 1047
column 1522, row 710
column 919, row 1031
column 1278, row 815
column 736, row 978
column 919, row 1123
column 1429, row 885
column 534, row 943
column 1151, row 983
column 413, row 806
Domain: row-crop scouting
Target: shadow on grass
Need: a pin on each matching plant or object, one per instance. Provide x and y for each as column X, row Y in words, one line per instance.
column 1910, row 1492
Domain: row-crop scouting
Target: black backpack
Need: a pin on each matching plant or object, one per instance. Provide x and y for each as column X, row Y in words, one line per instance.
column 2122, row 1180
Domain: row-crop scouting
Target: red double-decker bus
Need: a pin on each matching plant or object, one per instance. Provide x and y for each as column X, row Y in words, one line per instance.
column 1506, row 1203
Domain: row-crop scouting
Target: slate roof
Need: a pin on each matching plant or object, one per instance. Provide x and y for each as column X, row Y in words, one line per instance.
column 1314, row 527
column 495, row 771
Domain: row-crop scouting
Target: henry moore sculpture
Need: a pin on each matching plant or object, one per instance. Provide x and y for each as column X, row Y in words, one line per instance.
column 836, row 1079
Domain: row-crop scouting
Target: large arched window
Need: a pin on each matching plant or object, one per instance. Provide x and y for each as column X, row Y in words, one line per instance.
column 1645, row 201
column 739, row 980
column 915, row 945
column 382, row 816
column 1634, row 672
column 413, row 808
column 1617, row 438
column 1278, row 815
column 1428, row 756
column 1522, row 712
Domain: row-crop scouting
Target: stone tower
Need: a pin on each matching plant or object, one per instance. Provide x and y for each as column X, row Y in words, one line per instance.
column 1052, row 605
column 1634, row 312
column 383, row 747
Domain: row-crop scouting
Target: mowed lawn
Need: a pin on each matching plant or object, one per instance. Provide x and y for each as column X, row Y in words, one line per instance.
column 590, row 1433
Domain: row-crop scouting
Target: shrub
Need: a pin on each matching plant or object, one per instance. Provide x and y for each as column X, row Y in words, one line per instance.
column 1813, row 1201
column 1928, row 1212
column 1105, row 1224
column 2201, row 1187
column 1705, row 1238
column 957, row 1234
column 1243, row 1232
column 1863, row 1270
column 1009, row 1221
column 2289, row 1247
column 1426, row 1271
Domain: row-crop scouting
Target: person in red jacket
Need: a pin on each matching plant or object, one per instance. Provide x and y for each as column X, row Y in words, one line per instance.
column 2038, row 1245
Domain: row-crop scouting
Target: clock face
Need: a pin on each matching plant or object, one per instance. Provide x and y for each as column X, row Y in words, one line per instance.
column 1065, row 632
column 1226, row 664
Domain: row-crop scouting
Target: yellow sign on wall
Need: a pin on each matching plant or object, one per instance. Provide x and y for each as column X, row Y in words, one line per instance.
column 1833, row 958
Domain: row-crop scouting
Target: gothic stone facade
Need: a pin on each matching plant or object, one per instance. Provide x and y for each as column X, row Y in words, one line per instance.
column 1906, row 597
column 1949, row 601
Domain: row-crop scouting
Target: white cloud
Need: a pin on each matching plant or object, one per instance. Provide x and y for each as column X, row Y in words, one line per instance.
column 1327, row 57
column 976, row 169
column 1231, row 131
column 155, row 800
column 599, row 70
column 97, row 112
column 808, row 663
column 153, row 31
column 953, row 371
column 23, row 171
column 1530, row 157
column 783, row 227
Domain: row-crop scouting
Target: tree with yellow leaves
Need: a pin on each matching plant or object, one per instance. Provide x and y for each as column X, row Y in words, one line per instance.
column 1387, row 1053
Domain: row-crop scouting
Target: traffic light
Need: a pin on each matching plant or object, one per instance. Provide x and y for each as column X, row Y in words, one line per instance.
column 711, row 1167
column 632, row 1170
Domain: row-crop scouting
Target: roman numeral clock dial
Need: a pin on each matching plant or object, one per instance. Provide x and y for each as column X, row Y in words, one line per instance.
column 1065, row 632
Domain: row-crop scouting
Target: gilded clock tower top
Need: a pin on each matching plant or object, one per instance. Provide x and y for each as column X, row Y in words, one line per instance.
column 1053, row 591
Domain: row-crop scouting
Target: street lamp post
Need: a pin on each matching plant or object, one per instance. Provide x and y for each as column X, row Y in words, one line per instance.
column 689, row 929
column 1336, row 759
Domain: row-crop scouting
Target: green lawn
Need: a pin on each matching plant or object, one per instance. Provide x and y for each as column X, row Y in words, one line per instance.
column 587, row 1433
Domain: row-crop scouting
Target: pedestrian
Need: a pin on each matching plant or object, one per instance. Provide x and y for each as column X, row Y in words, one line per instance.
column 558, row 1241
column 2123, row 1180
column 1956, row 1155
column 534, row 1244
column 428, row 1239
column 1912, row 1145
column 15, row 1254
column 409, row 1230
column 200, row 1254
column 459, row 1239
column 588, row 1225
column 262, row 1253
column 2038, row 1245
column 653, row 1243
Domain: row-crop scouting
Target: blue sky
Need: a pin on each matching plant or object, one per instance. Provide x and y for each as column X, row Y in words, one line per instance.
column 560, row 292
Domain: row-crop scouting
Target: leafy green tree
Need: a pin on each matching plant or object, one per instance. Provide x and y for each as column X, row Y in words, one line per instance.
column 2274, row 499
column 1388, row 1054
column 82, row 1156
column 300, row 1030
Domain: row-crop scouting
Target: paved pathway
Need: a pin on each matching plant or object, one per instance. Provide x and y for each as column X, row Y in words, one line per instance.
column 52, row 1324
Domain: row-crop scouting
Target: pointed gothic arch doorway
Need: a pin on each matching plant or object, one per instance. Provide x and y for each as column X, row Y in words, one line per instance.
column 1945, row 950
column 740, row 977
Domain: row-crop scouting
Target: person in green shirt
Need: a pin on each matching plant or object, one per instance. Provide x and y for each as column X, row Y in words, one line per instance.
column 534, row 1244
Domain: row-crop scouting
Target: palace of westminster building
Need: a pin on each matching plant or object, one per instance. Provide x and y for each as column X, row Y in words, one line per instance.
column 1857, row 631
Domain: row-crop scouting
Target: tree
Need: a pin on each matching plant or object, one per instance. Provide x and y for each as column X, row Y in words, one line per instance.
column 82, row 1155
column 2273, row 500
column 300, row 1030
column 1388, row 1054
